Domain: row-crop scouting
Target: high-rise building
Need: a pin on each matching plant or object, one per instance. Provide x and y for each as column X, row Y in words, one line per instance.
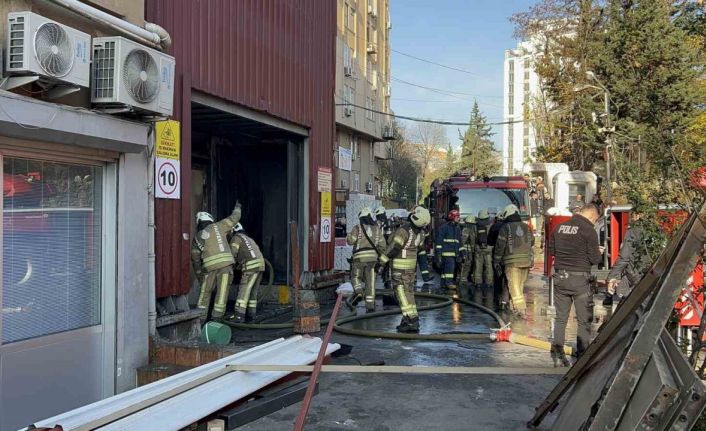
column 362, row 94
column 520, row 90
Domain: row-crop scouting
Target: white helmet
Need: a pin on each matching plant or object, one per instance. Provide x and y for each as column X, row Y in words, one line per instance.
column 238, row 228
column 420, row 216
column 365, row 212
column 510, row 210
column 203, row 216
column 380, row 211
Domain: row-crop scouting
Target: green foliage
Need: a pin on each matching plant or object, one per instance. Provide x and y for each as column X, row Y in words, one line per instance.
column 477, row 152
column 399, row 174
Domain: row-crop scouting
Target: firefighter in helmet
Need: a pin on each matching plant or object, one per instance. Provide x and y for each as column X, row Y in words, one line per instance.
column 513, row 251
column 367, row 240
column 249, row 260
column 213, row 261
column 483, row 279
column 448, row 243
column 468, row 245
column 386, row 225
column 402, row 251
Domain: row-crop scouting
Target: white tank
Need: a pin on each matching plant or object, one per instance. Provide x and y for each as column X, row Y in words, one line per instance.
column 568, row 185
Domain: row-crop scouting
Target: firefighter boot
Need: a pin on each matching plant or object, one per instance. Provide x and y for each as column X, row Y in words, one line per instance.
column 478, row 294
column 559, row 357
column 353, row 300
column 237, row 317
column 409, row 325
column 250, row 315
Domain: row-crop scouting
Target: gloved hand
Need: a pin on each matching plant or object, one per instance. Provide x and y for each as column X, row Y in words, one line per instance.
column 498, row 268
column 238, row 205
column 427, row 277
column 613, row 285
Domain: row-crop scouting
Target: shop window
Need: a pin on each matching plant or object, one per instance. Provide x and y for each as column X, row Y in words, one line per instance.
column 51, row 237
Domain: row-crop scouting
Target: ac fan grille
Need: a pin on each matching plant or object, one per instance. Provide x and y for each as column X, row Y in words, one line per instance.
column 141, row 76
column 53, row 49
column 17, row 43
column 104, row 70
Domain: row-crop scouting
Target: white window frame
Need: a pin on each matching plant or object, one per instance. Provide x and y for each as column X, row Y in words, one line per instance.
column 356, row 182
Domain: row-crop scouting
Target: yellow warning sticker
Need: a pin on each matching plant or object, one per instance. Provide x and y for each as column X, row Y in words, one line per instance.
column 168, row 142
column 326, row 204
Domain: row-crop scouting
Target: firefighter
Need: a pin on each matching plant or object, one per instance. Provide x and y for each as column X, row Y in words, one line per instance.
column 483, row 260
column 502, row 295
column 513, row 250
column 468, row 243
column 386, row 225
column 213, row 261
column 368, row 241
column 448, row 242
column 249, row 260
column 574, row 245
column 402, row 250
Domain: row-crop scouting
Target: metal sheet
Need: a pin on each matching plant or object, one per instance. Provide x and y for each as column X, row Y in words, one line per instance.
column 272, row 56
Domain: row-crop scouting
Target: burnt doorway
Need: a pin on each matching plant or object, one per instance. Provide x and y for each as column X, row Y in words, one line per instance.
column 235, row 158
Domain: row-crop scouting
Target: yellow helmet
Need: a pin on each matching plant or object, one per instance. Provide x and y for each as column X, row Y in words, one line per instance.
column 420, row 216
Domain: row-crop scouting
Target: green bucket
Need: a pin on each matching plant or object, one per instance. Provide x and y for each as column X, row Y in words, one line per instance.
column 216, row 333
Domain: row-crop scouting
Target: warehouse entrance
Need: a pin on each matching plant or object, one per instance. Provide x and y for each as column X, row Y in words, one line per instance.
column 238, row 158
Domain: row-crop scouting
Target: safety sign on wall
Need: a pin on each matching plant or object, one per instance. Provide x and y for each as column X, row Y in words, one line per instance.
column 324, row 179
column 167, row 169
column 326, row 212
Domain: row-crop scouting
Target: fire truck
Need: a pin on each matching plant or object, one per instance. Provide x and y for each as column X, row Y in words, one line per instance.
column 469, row 195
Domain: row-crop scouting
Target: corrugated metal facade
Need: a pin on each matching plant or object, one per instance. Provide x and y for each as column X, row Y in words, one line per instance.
column 274, row 56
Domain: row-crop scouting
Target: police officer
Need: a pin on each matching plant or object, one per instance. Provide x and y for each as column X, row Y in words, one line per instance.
column 468, row 245
column 367, row 240
column 448, row 242
column 402, row 251
column 248, row 260
column 574, row 245
column 212, row 260
column 513, row 250
column 483, row 258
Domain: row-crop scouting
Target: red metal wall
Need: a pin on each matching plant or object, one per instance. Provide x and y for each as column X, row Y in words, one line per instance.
column 274, row 56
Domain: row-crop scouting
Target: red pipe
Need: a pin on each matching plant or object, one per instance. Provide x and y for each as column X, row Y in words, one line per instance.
column 301, row 419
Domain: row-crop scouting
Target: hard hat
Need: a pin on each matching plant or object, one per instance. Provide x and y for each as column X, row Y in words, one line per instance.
column 204, row 216
column 500, row 215
column 470, row 219
column 238, row 228
column 510, row 210
column 420, row 216
column 483, row 214
column 454, row 215
column 380, row 211
column 365, row 212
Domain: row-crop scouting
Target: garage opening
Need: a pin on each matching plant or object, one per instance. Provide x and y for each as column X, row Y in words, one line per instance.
column 235, row 158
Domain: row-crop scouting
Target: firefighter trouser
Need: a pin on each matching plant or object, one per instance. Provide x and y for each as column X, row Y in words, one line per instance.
column 465, row 271
column 403, row 287
column 222, row 278
column 500, row 287
column 573, row 288
column 483, row 266
column 364, row 273
column 448, row 269
column 247, row 293
column 516, row 278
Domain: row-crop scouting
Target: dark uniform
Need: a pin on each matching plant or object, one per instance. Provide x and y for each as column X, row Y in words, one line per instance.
column 629, row 268
column 499, row 286
column 448, row 243
column 574, row 245
column 513, row 250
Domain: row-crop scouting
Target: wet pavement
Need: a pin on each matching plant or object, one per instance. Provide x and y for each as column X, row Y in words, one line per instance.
column 449, row 402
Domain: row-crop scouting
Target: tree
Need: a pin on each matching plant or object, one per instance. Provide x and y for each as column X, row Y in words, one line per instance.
column 428, row 138
column 399, row 174
column 477, row 152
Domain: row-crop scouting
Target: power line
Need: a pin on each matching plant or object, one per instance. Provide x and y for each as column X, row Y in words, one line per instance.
column 426, row 120
column 440, row 91
column 433, row 62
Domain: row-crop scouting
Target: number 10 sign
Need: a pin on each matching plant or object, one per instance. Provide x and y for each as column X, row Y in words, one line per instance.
column 167, row 178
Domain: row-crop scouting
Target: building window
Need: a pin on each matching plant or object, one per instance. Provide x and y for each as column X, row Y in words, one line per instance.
column 511, row 88
column 348, row 97
column 372, row 154
column 354, row 147
column 350, row 17
column 510, row 147
column 356, row 182
column 369, row 69
column 347, row 56
column 52, row 249
column 369, row 107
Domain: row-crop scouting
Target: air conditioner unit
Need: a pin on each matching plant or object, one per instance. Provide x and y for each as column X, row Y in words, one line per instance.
column 388, row 91
column 348, row 110
column 388, row 133
column 129, row 75
column 348, row 70
column 344, row 183
column 38, row 48
column 372, row 48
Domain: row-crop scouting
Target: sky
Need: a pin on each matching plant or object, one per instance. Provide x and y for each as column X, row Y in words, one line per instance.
column 471, row 35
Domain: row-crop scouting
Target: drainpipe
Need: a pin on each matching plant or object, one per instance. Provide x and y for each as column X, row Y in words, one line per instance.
column 152, row 34
column 151, row 257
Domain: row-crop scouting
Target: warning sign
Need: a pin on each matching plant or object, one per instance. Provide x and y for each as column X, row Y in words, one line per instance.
column 325, row 204
column 324, row 179
column 326, row 229
column 168, row 139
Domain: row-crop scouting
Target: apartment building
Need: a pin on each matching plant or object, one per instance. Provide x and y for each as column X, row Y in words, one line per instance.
column 362, row 94
column 521, row 87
